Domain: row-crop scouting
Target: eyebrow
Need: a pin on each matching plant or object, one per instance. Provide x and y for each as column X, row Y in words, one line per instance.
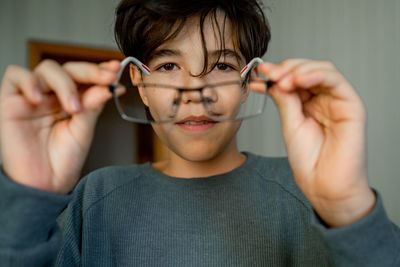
column 166, row 53
column 229, row 53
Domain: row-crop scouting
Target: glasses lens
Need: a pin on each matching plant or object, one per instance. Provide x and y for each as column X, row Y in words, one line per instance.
column 235, row 100
column 159, row 100
column 146, row 102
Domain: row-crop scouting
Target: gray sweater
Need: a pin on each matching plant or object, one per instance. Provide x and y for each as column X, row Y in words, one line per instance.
column 254, row 215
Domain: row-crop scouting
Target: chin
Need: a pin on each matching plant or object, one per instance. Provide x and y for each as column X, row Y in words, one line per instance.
column 198, row 152
column 200, row 148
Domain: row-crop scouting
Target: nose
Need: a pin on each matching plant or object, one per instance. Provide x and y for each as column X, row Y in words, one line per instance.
column 191, row 96
column 191, row 91
column 197, row 90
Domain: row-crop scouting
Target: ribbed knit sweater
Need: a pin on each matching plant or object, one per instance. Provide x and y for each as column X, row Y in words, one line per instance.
column 254, row 215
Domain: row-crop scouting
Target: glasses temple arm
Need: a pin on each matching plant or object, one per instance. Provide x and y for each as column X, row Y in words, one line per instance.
column 123, row 64
column 249, row 66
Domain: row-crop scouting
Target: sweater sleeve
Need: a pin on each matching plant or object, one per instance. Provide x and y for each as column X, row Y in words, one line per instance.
column 29, row 232
column 372, row 241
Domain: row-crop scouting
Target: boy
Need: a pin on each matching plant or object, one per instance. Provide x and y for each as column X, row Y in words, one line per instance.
column 208, row 204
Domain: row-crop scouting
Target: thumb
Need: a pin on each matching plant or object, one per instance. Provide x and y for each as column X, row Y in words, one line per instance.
column 290, row 108
column 82, row 124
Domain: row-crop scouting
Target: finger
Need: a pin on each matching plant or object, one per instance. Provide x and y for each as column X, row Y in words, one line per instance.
column 112, row 65
column 18, row 79
column 57, row 80
column 327, row 81
column 290, row 108
column 95, row 97
column 91, row 73
column 93, row 101
column 82, row 125
column 288, row 81
column 320, row 78
column 275, row 72
column 258, row 86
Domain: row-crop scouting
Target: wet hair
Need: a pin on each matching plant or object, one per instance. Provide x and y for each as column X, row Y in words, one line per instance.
column 144, row 25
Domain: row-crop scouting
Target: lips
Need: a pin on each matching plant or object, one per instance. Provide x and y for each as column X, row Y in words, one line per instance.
column 196, row 123
column 196, row 119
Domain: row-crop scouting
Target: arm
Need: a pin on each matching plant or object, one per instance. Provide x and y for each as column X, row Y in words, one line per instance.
column 372, row 241
column 29, row 234
column 324, row 128
column 38, row 228
column 46, row 128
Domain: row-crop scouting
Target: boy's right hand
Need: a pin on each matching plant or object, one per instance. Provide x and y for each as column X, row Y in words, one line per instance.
column 47, row 120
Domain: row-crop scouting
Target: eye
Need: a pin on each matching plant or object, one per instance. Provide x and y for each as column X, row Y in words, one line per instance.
column 168, row 67
column 223, row 67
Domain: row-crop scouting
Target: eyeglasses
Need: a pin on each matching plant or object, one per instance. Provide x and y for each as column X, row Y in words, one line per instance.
column 232, row 96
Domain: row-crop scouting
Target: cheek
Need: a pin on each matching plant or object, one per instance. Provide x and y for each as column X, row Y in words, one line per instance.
column 228, row 102
column 161, row 102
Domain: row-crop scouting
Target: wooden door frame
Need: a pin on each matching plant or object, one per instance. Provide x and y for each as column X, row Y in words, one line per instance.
column 39, row 50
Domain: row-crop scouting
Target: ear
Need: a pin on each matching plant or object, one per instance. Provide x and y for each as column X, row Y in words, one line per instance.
column 245, row 93
column 136, row 79
column 254, row 75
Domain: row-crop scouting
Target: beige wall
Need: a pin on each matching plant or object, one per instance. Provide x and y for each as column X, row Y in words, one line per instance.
column 362, row 37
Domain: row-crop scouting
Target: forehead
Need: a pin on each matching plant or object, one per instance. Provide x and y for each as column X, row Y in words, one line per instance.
column 214, row 34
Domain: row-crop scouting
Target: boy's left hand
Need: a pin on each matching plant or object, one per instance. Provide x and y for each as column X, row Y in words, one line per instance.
column 324, row 128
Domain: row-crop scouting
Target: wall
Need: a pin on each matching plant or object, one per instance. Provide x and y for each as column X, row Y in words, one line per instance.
column 88, row 22
column 362, row 37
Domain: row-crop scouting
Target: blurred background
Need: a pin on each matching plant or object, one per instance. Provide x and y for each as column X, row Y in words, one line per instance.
column 362, row 38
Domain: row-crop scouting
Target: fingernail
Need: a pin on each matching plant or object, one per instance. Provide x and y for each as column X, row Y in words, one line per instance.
column 74, row 103
column 37, row 94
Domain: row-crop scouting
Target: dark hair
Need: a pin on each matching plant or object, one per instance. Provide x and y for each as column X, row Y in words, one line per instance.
column 143, row 25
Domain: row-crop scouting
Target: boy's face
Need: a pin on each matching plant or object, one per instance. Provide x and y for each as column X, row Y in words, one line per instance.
column 195, row 137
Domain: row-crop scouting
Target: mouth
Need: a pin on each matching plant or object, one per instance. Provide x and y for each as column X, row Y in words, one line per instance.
column 196, row 123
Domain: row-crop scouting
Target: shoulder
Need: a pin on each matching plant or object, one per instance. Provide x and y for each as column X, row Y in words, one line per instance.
column 277, row 171
column 101, row 183
column 112, row 177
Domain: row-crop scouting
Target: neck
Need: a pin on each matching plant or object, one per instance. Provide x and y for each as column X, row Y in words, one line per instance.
column 226, row 161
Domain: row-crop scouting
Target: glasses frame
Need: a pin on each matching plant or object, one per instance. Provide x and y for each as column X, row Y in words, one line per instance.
column 146, row 70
